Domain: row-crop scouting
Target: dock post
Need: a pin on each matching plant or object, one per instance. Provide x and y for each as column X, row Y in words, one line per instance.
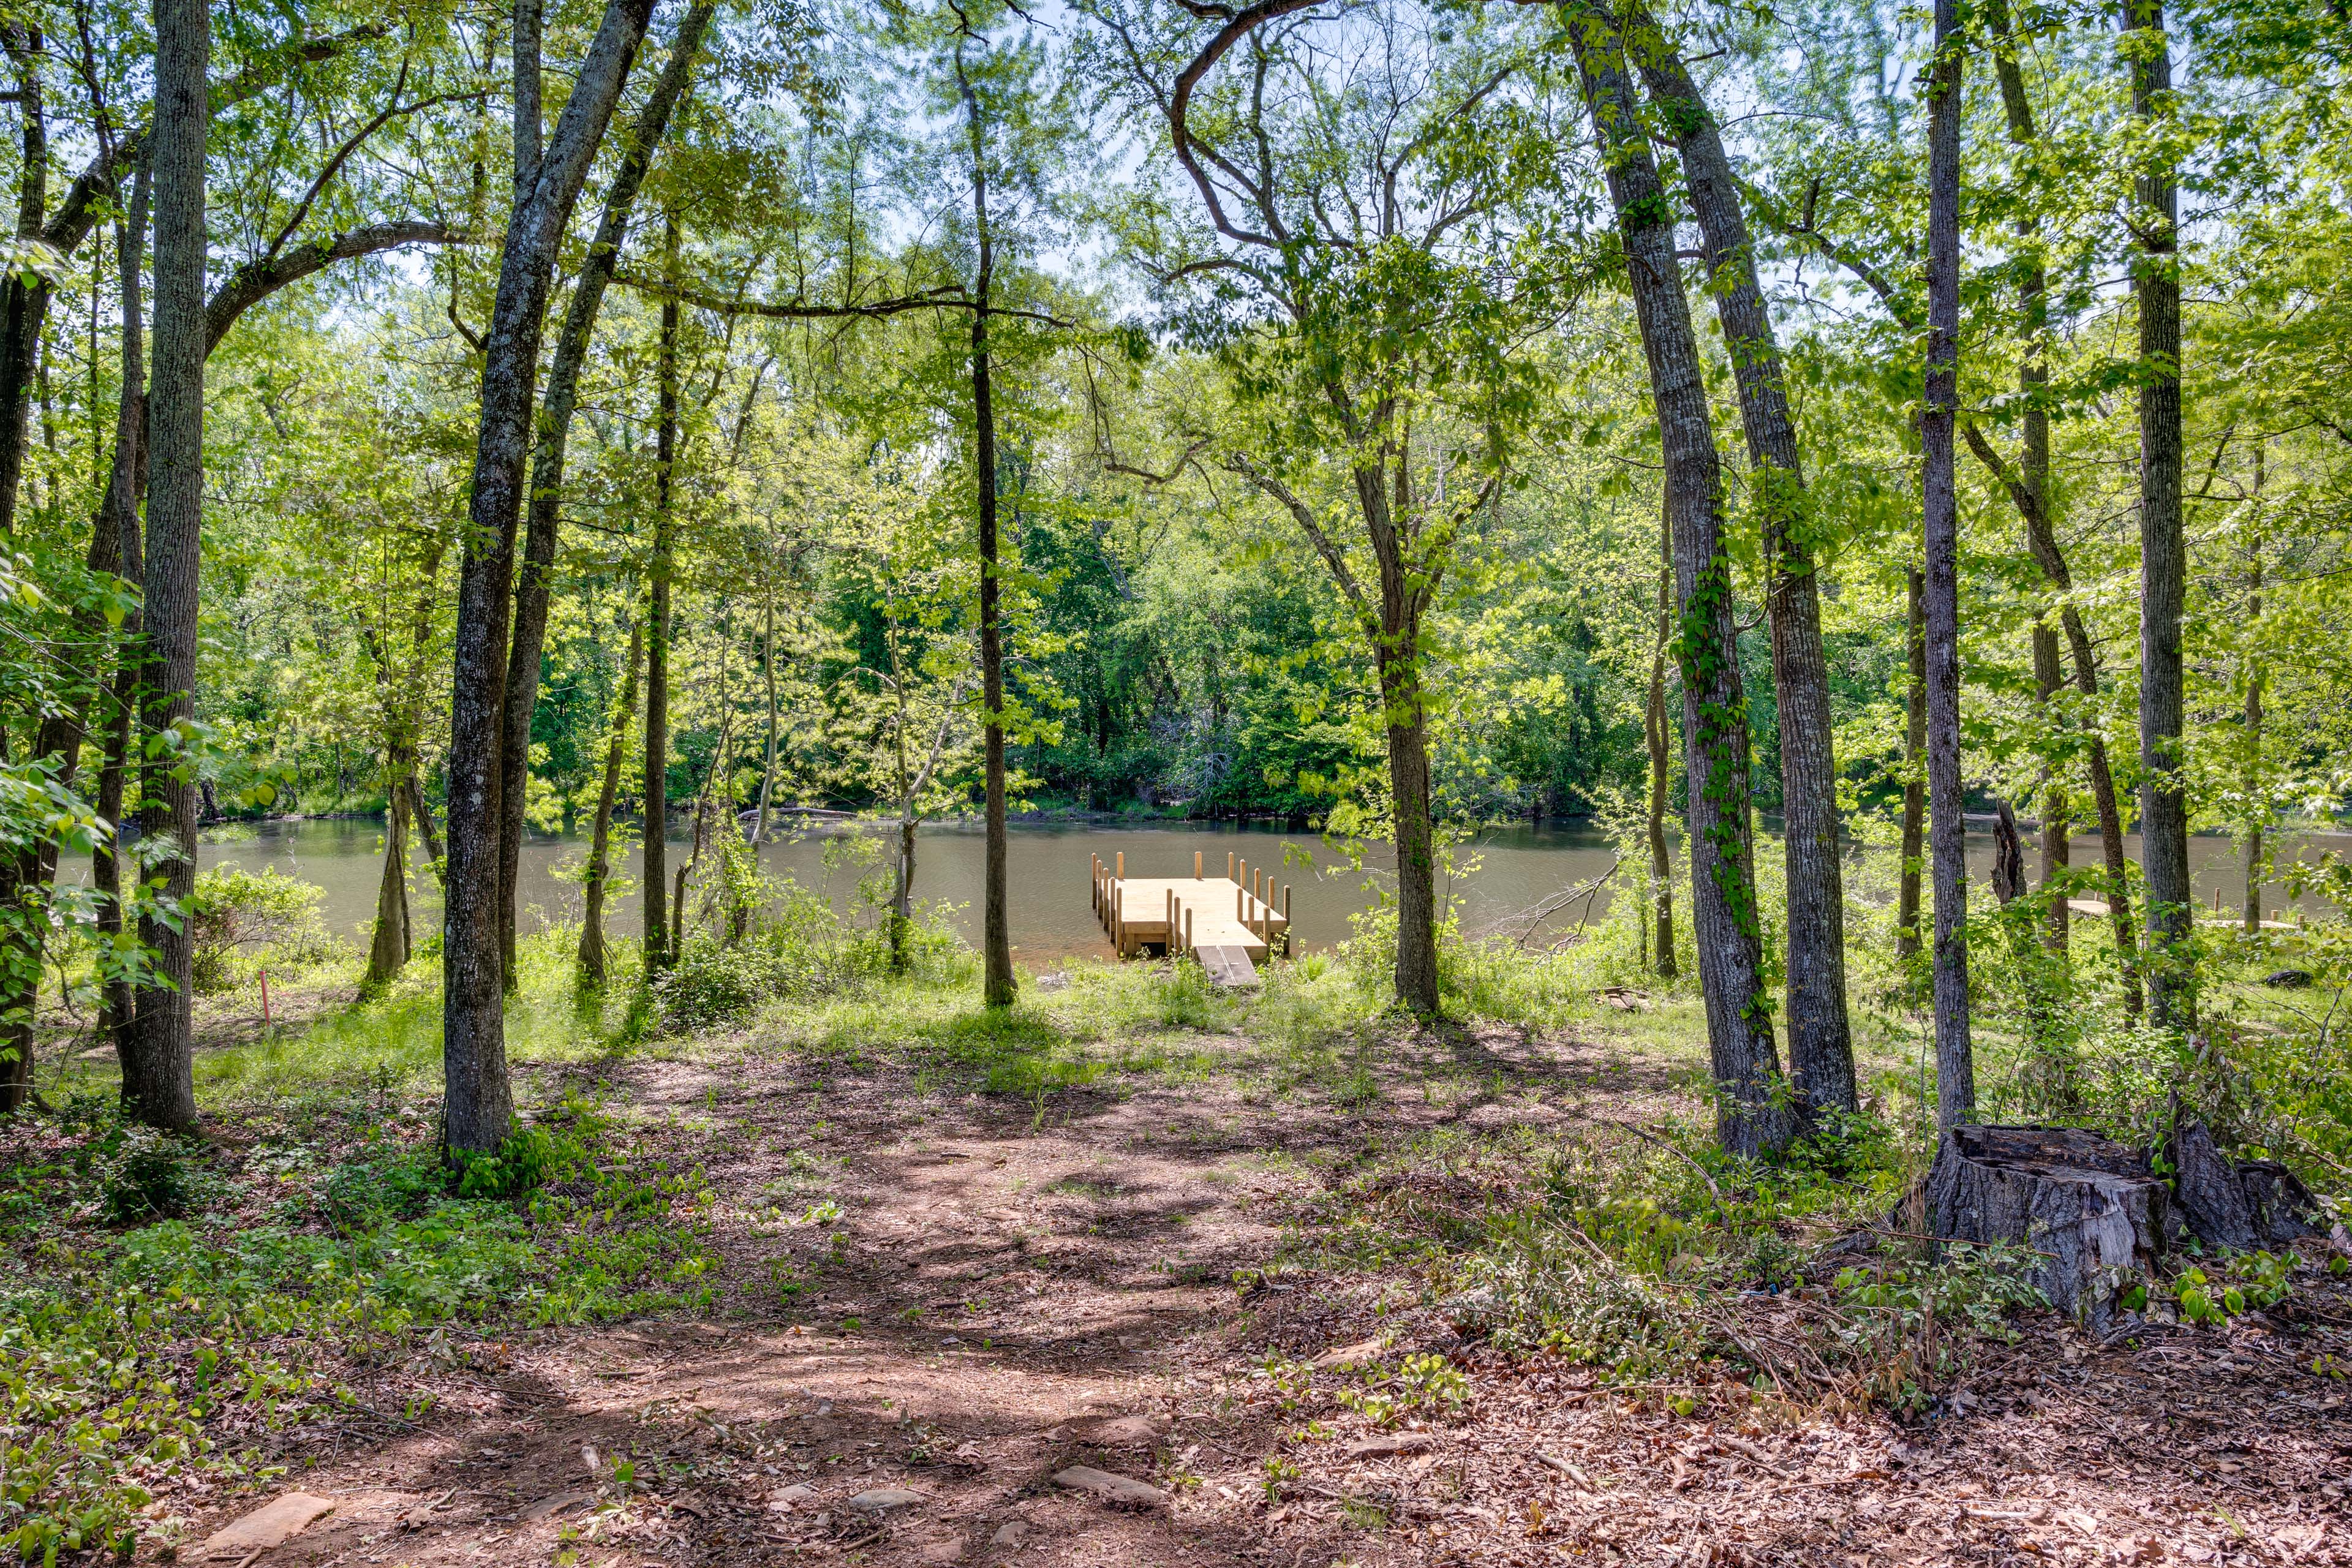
column 1122, row 865
column 1094, row 882
column 1187, row 929
column 1228, row 866
column 1286, row 920
column 1169, row 914
column 1196, row 865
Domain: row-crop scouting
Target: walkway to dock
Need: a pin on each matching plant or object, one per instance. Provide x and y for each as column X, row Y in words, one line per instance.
column 1230, row 923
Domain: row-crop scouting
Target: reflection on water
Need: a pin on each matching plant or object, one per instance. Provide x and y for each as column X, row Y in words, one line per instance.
column 1510, row 870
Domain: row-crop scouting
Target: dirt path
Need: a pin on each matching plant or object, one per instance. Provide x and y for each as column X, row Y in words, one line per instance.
column 933, row 1303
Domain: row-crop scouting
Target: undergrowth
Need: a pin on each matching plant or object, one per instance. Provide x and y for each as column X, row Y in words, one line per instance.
column 168, row 1304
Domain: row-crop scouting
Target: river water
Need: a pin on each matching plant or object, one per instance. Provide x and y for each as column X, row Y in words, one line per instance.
column 1512, row 868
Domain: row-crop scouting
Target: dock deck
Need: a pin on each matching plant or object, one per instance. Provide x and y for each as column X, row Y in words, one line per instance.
column 1231, row 923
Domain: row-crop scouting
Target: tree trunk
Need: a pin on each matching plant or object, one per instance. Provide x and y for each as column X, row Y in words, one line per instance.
column 767, row 764
column 2251, row 778
column 1914, row 770
column 658, row 948
column 1821, row 1042
column 2033, row 377
column 999, row 988
column 480, row 1107
column 1408, row 737
column 1956, row 1091
column 388, row 953
column 25, row 296
column 545, row 503
column 420, row 812
column 1654, row 730
column 2163, row 547
column 902, row 898
column 1752, row 1116
column 599, row 838
column 158, row 1058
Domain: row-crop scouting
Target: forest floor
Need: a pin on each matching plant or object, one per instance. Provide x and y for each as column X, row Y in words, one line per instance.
column 1178, row 1269
column 951, row 1263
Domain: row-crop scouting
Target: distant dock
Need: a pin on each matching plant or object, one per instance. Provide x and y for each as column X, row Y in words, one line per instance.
column 1230, row 923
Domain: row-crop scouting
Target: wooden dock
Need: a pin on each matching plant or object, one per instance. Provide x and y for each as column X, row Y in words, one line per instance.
column 1230, row 923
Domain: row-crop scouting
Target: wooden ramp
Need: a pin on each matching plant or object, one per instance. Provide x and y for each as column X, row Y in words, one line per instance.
column 1231, row 923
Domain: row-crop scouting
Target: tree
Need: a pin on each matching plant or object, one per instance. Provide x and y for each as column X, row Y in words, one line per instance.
column 1956, row 1091
column 1820, row 1044
column 480, row 1107
column 1751, row 1113
column 1366, row 338
column 2163, row 543
column 545, row 501
column 158, row 1063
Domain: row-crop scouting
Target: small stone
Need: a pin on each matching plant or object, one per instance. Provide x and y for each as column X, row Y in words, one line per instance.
column 1362, row 1354
column 556, row 1503
column 1125, row 1432
column 789, row 1498
column 885, row 1500
column 1387, row 1445
column 274, row 1524
column 1012, row 1532
column 1118, row 1490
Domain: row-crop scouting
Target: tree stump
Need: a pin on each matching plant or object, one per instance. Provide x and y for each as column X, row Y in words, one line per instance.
column 2243, row 1206
column 2092, row 1209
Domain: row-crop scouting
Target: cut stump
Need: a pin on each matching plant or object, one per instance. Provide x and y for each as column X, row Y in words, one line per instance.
column 2091, row 1208
column 2253, row 1204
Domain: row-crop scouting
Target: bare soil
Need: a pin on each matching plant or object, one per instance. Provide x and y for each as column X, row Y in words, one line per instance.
column 1007, row 1294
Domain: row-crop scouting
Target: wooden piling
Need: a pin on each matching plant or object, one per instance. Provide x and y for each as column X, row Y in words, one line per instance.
column 1196, row 865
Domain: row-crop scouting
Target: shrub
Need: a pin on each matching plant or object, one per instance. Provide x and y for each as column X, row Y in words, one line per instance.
column 266, row 909
column 142, row 1175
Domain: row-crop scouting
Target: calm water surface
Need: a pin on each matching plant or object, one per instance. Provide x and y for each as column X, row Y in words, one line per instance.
column 1513, row 869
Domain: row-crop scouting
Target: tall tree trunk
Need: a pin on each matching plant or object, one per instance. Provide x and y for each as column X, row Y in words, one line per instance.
column 2163, row 545
column 480, row 1107
column 768, row 677
column 659, row 950
column 1956, row 1092
column 158, row 1058
column 600, row 837
column 2032, row 379
column 999, row 986
column 1654, row 731
column 1752, row 1116
column 2257, row 813
column 1820, row 1041
column 1914, row 770
column 25, row 296
column 545, row 503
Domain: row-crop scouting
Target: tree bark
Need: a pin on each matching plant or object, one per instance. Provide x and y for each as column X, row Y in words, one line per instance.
column 2163, row 545
column 1654, row 730
column 389, row 949
column 158, row 1053
column 1914, row 770
column 658, row 948
column 999, row 988
column 1956, row 1094
column 1821, row 1040
column 2032, row 379
column 599, row 838
column 480, row 1105
column 545, row 503
column 24, row 299
column 2251, row 778
column 768, row 678
column 1752, row 1114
